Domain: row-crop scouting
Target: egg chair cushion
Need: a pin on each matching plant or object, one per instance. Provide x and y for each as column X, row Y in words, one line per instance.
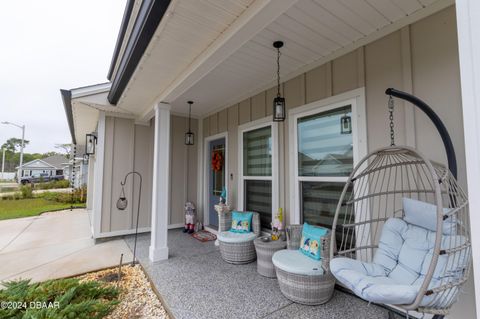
column 370, row 282
column 425, row 215
column 401, row 263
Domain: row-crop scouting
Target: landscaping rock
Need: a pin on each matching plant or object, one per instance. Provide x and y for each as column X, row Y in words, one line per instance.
column 137, row 299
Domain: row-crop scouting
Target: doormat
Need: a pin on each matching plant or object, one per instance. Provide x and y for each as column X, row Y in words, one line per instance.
column 204, row 236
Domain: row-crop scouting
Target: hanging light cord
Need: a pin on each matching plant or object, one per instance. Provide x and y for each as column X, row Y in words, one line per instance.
column 189, row 116
column 278, row 72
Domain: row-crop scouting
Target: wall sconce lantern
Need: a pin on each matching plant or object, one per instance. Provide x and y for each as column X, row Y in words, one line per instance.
column 279, row 113
column 85, row 159
column 91, row 141
column 189, row 136
column 346, row 124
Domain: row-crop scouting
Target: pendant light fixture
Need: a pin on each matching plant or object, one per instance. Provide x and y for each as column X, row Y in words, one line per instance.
column 346, row 124
column 189, row 136
column 278, row 101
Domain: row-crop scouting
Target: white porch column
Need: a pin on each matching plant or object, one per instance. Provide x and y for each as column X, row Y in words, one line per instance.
column 468, row 28
column 161, row 184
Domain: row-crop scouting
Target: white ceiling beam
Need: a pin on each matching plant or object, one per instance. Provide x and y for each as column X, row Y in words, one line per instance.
column 259, row 15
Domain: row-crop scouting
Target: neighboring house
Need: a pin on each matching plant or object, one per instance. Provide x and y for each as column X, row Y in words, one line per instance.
column 52, row 165
column 219, row 54
column 76, row 171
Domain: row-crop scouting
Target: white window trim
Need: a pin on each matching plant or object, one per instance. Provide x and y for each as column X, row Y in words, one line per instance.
column 264, row 122
column 355, row 98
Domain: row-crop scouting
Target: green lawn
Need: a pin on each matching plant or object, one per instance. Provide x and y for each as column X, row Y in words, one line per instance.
column 8, row 189
column 29, row 207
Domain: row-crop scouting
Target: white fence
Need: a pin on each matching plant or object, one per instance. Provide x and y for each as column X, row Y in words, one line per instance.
column 7, row 176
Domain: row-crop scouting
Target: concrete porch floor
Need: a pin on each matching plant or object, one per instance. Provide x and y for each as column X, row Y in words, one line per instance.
column 196, row 283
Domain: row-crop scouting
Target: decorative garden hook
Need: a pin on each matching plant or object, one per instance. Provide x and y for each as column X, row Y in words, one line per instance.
column 122, row 204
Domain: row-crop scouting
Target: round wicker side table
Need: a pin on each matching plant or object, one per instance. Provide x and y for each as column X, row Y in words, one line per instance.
column 265, row 251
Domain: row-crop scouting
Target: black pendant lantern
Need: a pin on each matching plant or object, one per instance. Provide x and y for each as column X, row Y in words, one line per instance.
column 279, row 112
column 346, row 124
column 189, row 136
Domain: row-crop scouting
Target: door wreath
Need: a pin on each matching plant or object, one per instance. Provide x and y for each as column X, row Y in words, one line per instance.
column 217, row 161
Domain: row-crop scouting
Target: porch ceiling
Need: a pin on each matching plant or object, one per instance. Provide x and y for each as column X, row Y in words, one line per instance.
column 220, row 52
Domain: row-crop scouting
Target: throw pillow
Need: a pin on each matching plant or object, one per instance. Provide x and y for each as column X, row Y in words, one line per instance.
column 241, row 222
column 311, row 240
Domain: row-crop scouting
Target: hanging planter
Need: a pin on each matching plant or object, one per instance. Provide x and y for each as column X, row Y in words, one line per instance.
column 217, row 161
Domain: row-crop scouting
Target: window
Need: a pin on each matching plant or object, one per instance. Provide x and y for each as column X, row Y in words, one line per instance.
column 257, row 180
column 324, row 154
column 325, row 151
column 258, row 198
column 257, row 152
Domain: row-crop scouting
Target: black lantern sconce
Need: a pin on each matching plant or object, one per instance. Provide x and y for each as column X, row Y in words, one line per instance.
column 279, row 112
column 346, row 124
column 90, row 144
column 122, row 204
column 189, row 136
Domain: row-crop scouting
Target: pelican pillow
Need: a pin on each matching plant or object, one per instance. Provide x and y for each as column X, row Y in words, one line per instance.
column 311, row 239
column 241, row 222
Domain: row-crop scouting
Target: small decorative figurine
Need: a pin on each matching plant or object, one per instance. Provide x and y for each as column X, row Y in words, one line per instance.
column 277, row 225
column 223, row 196
column 222, row 208
column 190, row 218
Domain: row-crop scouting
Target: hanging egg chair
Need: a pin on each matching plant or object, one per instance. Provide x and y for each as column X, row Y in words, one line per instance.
column 401, row 234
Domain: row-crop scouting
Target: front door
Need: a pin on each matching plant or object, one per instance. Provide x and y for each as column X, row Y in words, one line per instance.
column 216, row 180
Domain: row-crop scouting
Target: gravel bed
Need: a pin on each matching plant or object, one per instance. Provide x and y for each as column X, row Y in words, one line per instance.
column 137, row 299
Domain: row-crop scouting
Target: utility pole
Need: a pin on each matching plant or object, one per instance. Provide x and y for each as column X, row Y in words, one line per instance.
column 21, row 152
column 3, row 163
column 22, row 127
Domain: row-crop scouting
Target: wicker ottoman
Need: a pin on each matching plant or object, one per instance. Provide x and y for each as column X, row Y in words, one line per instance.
column 237, row 248
column 302, row 279
column 265, row 251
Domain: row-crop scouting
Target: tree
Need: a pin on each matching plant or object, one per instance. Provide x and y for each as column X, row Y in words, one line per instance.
column 66, row 147
column 51, row 153
column 13, row 143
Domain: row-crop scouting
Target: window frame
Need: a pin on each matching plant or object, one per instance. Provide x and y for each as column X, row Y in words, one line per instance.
column 355, row 98
column 251, row 126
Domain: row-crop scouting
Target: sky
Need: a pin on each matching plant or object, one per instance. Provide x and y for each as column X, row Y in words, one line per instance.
column 46, row 46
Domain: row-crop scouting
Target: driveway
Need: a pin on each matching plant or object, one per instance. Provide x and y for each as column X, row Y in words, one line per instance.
column 54, row 245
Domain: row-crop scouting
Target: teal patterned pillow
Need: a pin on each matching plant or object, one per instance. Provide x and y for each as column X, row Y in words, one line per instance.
column 311, row 240
column 241, row 222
